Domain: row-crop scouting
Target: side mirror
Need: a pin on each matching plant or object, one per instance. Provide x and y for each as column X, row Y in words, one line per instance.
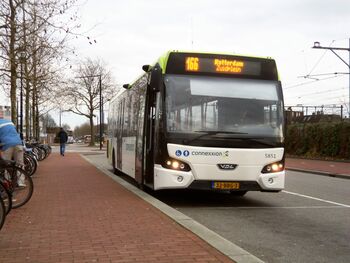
column 126, row 86
column 146, row 68
column 156, row 78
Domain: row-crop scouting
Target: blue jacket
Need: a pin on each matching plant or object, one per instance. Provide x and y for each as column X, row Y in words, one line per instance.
column 8, row 135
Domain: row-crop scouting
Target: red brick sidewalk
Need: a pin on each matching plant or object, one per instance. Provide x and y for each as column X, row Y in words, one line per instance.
column 327, row 167
column 77, row 214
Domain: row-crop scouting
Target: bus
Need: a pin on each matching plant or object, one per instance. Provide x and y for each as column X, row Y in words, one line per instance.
column 70, row 139
column 197, row 120
column 87, row 138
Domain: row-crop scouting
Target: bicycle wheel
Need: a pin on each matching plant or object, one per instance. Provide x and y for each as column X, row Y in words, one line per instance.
column 2, row 213
column 21, row 186
column 45, row 151
column 30, row 164
column 39, row 152
column 6, row 197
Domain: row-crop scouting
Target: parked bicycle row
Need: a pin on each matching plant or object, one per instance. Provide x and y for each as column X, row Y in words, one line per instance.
column 16, row 184
column 34, row 153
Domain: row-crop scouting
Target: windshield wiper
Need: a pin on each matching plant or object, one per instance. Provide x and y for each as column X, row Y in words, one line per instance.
column 206, row 133
column 261, row 140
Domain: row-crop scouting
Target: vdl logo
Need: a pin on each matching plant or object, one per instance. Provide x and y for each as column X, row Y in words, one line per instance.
column 227, row 166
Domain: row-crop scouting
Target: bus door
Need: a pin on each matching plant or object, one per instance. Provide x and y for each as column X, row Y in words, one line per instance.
column 148, row 151
column 153, row 88
column 120, row 134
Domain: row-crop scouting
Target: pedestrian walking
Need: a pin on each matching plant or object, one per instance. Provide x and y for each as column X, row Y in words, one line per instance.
column 11, row 145
column 63, row 137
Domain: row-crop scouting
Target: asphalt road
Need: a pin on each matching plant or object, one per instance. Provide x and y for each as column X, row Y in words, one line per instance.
column 308, row 222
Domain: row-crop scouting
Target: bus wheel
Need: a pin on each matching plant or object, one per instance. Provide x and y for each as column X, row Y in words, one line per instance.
column 238, row 193
column 113, row 163
column 141, row 186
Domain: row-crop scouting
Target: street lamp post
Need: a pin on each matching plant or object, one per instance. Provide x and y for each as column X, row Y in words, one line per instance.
column 21, row 94
column 101, row 114
column 60, row 119
column 318, row 46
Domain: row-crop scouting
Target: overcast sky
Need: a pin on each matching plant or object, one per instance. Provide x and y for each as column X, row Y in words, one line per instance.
column 132, row 33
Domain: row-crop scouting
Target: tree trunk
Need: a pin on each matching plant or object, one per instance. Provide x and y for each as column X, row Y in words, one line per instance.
column 37, row 120
column 13, row 63
column 27, row 82
column 34, row 112
column 34, row 83
column 92, row 131
column 27, row 107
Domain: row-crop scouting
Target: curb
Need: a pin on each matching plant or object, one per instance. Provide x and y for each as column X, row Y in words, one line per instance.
column 343, row 176
column 231, row 250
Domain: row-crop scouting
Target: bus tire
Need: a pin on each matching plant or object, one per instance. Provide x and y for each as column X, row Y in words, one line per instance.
column 113, row 163
column 238, row 193
column 141, row 186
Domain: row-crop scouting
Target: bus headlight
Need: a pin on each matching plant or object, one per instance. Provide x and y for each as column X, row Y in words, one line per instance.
column 273, row 167
column 176, row 165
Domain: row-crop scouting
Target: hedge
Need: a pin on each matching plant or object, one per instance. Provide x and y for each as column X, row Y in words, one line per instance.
column 319, row 140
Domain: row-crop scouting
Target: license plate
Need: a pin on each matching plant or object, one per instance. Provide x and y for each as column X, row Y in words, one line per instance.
column 225, row 185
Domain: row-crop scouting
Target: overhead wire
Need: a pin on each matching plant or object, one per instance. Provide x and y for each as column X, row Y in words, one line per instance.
column 318, row 92
column 327, row 101
column 319, row 60
column 310, row 82
column 330, row 98
column 312, row 69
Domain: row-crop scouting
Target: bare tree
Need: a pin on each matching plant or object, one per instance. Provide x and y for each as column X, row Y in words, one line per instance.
column 84, row 96
column 8, row 13
column 41, row 30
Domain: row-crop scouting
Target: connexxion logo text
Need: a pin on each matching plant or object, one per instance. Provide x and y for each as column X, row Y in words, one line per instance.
column 201, row 153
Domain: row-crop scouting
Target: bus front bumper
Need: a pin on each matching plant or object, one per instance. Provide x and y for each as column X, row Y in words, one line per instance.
column 173, row 179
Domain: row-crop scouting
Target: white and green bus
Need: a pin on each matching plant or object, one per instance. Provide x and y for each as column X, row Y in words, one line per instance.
column 201, row 121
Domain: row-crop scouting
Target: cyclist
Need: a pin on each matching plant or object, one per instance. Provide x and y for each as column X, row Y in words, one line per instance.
column 11, row 145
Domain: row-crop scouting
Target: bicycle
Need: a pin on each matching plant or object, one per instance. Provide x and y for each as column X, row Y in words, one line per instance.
column 6, row 197
column 2, row 213
column 41, row 151
column 17, row 182
column 30, row 162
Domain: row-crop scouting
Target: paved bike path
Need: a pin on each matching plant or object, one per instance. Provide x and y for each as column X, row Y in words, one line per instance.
column 78, row 214
column 322, row 167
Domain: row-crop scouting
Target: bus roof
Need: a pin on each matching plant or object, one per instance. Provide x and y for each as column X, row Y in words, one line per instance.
column 163, row 59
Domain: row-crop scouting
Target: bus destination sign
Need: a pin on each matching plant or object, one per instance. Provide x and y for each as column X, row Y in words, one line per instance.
column 221, row 65
column 218, row 65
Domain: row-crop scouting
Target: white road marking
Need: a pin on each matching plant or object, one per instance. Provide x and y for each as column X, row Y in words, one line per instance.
column 268, row 207
column 315, row 198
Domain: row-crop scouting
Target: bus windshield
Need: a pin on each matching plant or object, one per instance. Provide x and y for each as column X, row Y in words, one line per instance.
column 240, row 107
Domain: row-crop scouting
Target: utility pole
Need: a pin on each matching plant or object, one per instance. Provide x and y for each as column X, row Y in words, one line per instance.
column 318, row 46
column 22, row 58
column 60, row 123
column 101, row 108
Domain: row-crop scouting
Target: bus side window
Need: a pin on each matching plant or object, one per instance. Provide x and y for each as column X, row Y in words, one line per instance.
column 128, row 110
column 133, row 121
